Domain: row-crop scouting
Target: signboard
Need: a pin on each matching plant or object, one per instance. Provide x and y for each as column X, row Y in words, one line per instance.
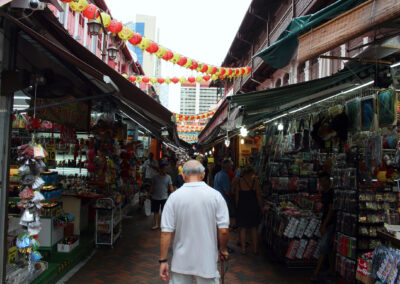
column 50, row 160
column 76, row 115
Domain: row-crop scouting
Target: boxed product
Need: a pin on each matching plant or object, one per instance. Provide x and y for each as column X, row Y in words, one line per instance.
column 68, row 244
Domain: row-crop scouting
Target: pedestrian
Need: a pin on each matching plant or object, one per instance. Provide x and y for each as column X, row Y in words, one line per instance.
column 161, row 183
column 249, row 207
column 327, row 228
column 199, row 217
column 205, row 165
column 179, row 179
column 150, row 166
column 173, row 169
column 222, row 181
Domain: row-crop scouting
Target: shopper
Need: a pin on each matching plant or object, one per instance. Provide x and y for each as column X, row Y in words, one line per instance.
column 198, row 216
column 150, row 166
column 179, row 179
column 222, row 181
column 327, row 228
column 249, row 205
column 173, row 169
column 161, row 183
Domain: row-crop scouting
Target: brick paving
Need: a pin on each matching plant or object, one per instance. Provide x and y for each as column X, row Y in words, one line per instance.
column 134, row 260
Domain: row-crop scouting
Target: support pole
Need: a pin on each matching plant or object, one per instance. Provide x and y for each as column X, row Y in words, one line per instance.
column 9, row 43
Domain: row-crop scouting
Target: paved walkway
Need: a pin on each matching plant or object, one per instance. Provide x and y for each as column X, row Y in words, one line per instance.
column 134, row 260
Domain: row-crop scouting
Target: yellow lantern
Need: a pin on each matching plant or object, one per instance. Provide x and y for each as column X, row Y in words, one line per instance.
column 144, row 44
column 218, row 71
column 78, row 6
column 182, row 80
column 153, row 80
column 161, row 51
column 214, row 77
column 209, row 70
column 125, row 76
column 176, row 58
column 167, row 80
column 125, row 34
column 199, row 67
column 139, row 79
column 106, row 19
column 199, row 78
column 188, row 63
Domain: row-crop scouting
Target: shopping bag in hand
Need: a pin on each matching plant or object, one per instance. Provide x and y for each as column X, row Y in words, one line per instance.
column 147, row 207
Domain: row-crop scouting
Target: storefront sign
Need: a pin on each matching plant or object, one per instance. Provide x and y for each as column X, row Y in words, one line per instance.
column 75, row 115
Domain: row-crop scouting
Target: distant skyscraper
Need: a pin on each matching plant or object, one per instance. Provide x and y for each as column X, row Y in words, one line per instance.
column 164, row 95
column 197, row 99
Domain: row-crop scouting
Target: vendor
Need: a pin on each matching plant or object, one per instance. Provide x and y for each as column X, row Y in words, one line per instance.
column 327, row 228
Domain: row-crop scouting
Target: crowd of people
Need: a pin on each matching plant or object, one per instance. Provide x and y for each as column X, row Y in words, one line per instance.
column 189, row 201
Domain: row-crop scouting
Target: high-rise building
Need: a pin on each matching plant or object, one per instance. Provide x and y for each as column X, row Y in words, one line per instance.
column 197, row 99
column 147, row 27
column 164, row 95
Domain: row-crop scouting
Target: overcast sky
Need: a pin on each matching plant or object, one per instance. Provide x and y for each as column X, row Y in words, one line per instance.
column 202, row 30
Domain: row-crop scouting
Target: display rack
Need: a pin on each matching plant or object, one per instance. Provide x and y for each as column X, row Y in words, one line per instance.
column 108, row 222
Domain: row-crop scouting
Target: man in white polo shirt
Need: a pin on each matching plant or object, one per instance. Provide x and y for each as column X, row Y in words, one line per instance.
column 198, row 215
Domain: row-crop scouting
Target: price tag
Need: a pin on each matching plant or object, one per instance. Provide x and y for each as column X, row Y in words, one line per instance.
column 51, row 150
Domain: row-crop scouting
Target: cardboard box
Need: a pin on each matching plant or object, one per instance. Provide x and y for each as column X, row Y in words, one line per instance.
column 67, row 248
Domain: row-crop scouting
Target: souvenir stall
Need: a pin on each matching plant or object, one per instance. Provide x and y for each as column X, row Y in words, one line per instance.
column 355, row 139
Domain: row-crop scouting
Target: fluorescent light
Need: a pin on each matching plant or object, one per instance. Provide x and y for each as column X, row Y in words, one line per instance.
column 395, row 65
column 275, row 118
column 21, row 97
column 300, row 109
column 24, row 106
column 356, row 88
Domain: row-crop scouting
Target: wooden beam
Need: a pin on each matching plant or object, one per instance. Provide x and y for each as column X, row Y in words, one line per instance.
column 366, row 60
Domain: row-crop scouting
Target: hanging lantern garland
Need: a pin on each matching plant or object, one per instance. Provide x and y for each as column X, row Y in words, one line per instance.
column 188, row 128
column 92, row 12
column 181, row 117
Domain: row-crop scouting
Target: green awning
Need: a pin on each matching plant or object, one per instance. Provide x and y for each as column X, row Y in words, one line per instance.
column 267, row 103
column 279, row 54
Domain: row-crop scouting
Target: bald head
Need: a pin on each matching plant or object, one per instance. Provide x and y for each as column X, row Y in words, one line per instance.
column 193, row 171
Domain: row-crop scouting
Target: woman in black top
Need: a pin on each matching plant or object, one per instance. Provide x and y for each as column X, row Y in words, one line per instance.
column 249, row 206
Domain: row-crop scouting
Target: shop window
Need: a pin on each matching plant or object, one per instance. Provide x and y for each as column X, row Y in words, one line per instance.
column 278, row 83
column 286, row 79
column 300, row 72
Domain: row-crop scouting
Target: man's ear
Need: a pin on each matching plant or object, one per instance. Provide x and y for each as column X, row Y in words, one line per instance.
column 184, row 177
column 203, row 175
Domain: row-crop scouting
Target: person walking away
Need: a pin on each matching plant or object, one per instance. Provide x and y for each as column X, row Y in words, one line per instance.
column 249, row 207
column 327, row 228
column 161, row 183
column 179, row 179
column 198, row 215
column 222, row 181
column 206, row 171
column 173, row 169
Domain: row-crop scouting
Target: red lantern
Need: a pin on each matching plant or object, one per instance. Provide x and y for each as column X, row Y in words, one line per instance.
column 160, row 80
column 203, row 116
column 237, row 72
column 248, row 70
column 204, row 69
column 221, row 76
column 230, row 71
column 91, row 12
column 242, row 71
column 115, row 27
column 223, row 71
column 214, row 70
column 67, row 1
column 145, row 80
column 168, row 55
column 136, row 39
column 182, row 61
column 153, row 47
column 180, row 117
column 192, row 79
column 186, row 117
column 132, row 78
column 206, row 77
column 194, row 65
column 175, row 80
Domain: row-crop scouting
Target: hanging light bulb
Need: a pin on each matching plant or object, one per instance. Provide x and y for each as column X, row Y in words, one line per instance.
column 242, row 141
column 243, row 131
column 210, row 152
column 213, row 149
column 280, row 126
column 227, row 141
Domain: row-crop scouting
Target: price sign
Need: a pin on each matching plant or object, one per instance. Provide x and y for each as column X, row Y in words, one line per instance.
column 51, row 151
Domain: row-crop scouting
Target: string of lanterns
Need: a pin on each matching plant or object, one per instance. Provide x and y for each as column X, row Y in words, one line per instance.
column 98, row 18
column 181, row 117
column 188, row 128
column 167, row 80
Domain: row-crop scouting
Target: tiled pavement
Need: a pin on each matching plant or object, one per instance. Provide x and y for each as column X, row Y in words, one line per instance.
column 134, row 260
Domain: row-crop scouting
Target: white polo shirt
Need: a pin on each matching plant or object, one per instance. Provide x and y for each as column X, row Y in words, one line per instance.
column 194, row 212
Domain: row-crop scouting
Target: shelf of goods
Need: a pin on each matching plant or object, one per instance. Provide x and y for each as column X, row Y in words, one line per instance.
column 108, row 221
column 291, row 225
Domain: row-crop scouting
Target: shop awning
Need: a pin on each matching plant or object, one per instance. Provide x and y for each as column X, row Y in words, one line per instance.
column 346, row 27
column 268, row 103
column 279, row 54
column 213, row 125
column 151, row 114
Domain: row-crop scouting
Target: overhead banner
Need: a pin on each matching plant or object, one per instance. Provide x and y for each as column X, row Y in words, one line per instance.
column 75, row 115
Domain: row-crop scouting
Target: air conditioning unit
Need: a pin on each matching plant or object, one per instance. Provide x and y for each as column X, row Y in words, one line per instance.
column 28, row 4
